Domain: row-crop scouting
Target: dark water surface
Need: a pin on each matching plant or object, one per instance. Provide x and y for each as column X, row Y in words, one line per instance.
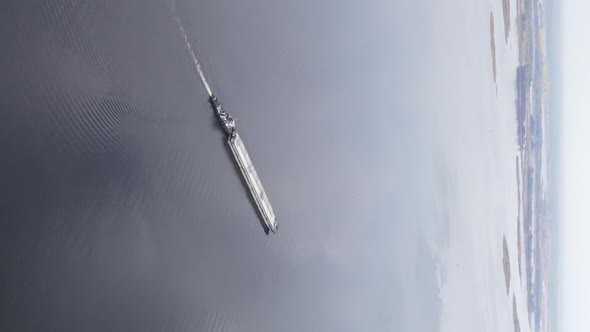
column 121, row 209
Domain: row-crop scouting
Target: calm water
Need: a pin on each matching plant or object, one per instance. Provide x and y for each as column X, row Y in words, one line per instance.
column 376, row 128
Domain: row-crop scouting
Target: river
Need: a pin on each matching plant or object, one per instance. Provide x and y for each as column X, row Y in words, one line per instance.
column 379, row 134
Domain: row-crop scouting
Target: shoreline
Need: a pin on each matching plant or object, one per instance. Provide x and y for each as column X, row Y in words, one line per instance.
column 532, row 83
column 493, row 46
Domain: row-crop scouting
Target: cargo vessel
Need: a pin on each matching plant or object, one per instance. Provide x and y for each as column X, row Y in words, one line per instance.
column 236, row 145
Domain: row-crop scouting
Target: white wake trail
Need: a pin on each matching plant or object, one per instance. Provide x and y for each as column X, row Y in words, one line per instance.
column 189, row 47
